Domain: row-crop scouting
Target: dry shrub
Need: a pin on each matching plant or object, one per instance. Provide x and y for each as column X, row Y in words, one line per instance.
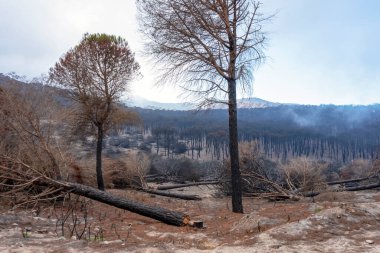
column 248, row 151
column 118, row 173
column 82, row 171
column 304, row 174
column 375, row 169
column 359, row 168
column 127, row 172
column 183, row 169
column 138, row 166
column 188, row 170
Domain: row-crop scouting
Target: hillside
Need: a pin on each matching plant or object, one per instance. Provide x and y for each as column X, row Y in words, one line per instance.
column 327, row 132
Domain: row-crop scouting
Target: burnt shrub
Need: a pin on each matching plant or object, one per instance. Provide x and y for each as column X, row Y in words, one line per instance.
column 182, row 169
column 179, row 148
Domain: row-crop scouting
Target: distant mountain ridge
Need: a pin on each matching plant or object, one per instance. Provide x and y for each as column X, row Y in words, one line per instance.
column 149, row 104
column 136, row 101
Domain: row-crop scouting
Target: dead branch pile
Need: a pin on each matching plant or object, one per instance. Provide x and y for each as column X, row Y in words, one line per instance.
column 304, row 175
column 28, row 149
column 299, row 177
column 259, row 175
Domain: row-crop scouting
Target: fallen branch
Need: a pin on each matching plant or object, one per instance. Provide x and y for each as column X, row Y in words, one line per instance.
column 175, row 186
column 172, row 195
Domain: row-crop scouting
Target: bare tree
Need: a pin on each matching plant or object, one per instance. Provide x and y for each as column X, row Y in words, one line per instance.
column 209, row 47
column 96, row 73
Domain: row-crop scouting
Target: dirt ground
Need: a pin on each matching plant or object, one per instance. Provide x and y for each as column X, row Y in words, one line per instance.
column 333, row 222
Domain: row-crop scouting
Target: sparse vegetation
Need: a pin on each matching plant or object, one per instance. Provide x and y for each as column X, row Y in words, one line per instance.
column 308, row 176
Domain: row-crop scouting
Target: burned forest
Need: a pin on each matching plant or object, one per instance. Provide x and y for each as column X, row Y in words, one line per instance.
column 180, row 157
column 213, row 126
column 332, row 133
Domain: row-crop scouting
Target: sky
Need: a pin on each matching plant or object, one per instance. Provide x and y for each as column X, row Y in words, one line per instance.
column 318, row 52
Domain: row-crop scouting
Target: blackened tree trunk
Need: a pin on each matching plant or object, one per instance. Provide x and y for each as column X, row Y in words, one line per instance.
column 99, row 148
column 237, row 204
column 154, row 212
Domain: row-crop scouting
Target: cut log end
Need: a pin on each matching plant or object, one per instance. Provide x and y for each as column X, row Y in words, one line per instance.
column 196, row 224
column 186, row 220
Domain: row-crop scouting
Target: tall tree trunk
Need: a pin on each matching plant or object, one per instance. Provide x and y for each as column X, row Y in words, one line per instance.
column 237, row 204
column 99, row 148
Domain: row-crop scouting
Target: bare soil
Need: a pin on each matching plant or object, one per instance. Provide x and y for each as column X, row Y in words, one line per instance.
column 333, row 222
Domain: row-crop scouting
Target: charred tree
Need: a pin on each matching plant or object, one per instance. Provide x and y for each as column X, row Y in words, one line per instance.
column 207, row 47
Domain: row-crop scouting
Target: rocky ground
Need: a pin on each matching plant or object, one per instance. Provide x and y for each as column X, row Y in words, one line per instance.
column 332, row 222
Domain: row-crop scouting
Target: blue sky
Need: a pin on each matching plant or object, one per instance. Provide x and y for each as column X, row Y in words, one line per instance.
column 319, row 51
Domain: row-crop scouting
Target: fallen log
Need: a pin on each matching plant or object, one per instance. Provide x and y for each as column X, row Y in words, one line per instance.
column 160, row 179
column 350, row 180
column 172, row 195
column 152, row 175
column 272, row 196
column 363, row 187
column 354, row 188
column 157, row 213
column 175, row 186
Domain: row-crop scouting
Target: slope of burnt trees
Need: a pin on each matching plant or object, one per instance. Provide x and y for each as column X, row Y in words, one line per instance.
column 337, row 133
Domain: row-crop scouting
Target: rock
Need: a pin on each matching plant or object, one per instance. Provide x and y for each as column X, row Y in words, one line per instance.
column 110, row 242
column 207, row 245
column 42, row 231
column 369, row 241
column 19, row 244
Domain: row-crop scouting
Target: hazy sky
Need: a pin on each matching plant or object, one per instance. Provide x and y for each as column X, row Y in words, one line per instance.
column 319, row 52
